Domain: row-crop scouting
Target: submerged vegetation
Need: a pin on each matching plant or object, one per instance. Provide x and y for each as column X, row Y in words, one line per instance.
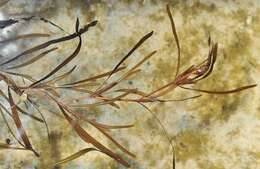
column 50, row 88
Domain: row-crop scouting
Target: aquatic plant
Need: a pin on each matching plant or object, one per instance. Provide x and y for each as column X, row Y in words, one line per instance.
column 50, row 88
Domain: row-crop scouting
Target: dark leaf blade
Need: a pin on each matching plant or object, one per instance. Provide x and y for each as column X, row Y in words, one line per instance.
column 113, row 140
column 34, row 59
column 239, row 89
column 89, row 139
column 19, row 125
column 136, row 46
column 51, row 42
column 65, row 62
column 176, row 39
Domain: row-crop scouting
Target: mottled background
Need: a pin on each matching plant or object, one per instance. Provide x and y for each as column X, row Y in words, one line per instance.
column 210, row 132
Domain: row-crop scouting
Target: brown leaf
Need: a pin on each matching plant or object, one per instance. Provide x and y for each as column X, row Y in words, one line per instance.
column 34, row 59
column 89, row 139
column 93, row 77
column 239, row 89
column 51, row 42
column 61, row 65
column 19, row 125
column 136, row 46
column 176, row 39
column 113, row 140
column 25, row 36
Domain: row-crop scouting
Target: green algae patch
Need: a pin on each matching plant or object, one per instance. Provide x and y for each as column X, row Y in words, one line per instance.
column 195, row 9
column 190, row 144
column 239, row 46
column 164, row 72
column 210, row 165
column 255, row 21
column 158, row 17
column 240, row 15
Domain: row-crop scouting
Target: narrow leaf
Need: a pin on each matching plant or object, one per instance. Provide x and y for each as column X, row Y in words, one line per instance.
column 94, row 77
column 66, row 61
column 7, row 146
column 113, row 140
column 89, row 139
column 19, row 125
column 51, row 42
column 239, row 89
column 34, row 59
column 25, row 36
column 75, row 155
column 136, row 46
column 176, row 39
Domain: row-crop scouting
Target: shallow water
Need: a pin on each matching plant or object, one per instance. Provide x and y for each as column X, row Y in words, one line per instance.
column 210, row 132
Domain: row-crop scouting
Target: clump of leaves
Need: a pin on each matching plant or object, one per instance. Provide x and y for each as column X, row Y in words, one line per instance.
column 49, row 88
